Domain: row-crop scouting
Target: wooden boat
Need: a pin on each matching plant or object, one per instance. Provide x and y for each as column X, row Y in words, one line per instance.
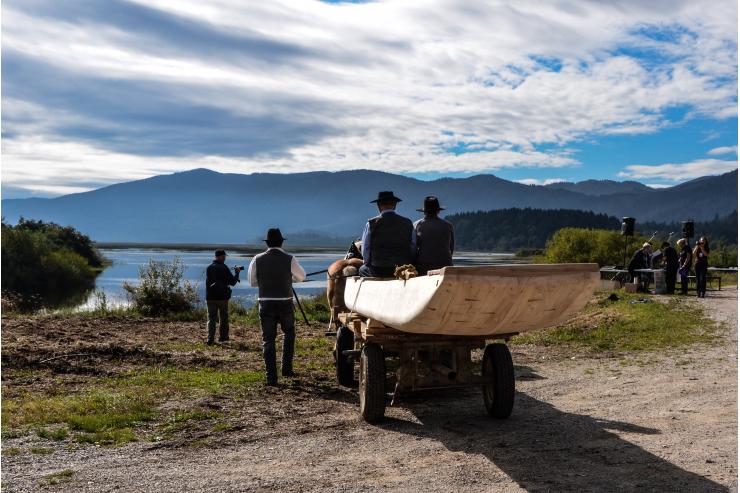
column 477, row 300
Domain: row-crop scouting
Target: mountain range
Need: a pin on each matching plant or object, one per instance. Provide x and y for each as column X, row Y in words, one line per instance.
column 203, row 206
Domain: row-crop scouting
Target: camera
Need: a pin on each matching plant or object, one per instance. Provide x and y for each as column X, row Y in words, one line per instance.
column 238, row 268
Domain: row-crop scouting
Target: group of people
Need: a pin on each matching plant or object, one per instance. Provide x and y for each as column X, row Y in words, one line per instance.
column 389, row 240
column 676, row 263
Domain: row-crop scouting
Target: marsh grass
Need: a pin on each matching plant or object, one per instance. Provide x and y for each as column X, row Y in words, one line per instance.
column 57, row 434
column 42, row 450
column 111, row 408
column 628, row 324
column 11, row 451
column 57, row 477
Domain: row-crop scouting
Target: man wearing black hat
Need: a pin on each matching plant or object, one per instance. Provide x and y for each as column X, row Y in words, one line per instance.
column 219, row 280
column 388, row 240
column 435, row 238
column 274, row 272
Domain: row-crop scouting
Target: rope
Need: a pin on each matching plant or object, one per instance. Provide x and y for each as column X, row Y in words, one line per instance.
column 357, row 294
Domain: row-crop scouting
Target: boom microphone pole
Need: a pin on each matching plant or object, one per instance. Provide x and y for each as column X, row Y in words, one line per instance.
column 300, row 307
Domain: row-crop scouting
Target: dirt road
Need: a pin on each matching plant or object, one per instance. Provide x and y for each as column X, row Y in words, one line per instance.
column 652, row 422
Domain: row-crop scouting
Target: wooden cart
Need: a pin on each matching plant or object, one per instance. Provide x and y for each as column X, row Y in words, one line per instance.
column 432, row 324
column 422, row 361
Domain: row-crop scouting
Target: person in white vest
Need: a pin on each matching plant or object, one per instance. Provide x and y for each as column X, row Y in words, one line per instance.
column 274, row 272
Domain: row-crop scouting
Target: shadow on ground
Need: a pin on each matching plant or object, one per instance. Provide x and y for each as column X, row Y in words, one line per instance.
column 545, row 449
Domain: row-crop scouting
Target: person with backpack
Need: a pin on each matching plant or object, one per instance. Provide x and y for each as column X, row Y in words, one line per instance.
column 219, row 280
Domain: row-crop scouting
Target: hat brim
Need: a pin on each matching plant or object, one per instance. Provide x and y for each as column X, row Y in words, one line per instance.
column 283, row 239
column 432, row 210
column 394, row 199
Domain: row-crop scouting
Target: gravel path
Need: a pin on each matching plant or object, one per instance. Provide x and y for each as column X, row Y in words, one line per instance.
column 654, row 422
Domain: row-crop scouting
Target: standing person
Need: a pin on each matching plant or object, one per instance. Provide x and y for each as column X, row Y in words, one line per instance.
column 274, row 272
column 388, row 240
column 219, row 280
column 701, row 263
column 640, row 260
column 435, row 238
column 684, row 264
column 670, row 260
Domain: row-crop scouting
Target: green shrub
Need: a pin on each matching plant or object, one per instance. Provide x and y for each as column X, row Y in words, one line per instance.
column 64, row 238
column 37, row 271
column 722, row 254
column 161, row 290
column 601, row 246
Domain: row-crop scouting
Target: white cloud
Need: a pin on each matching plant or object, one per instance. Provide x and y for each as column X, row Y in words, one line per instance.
column 718, row 151
column 679, row 171
column 535, row 181
column 388, row 85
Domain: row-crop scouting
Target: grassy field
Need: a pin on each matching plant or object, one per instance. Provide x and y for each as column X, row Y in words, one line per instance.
column 621, row 322
column 112, row 377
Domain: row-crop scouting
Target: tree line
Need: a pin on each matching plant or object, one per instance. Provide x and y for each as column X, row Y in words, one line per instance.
column 509, row 230
column 45, row 264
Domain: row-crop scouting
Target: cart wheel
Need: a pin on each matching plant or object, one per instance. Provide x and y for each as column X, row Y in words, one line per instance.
column 372, row 383
column 498, row 394
column 345, row 366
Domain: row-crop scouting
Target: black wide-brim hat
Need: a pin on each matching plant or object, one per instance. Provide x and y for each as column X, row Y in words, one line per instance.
column 274, row 235
column 431, row 204
column 385, row 197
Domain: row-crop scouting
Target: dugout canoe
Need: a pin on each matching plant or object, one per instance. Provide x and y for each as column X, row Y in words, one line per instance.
column 476, row 300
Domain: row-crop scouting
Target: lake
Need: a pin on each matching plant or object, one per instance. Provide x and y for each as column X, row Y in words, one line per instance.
column 125, row 264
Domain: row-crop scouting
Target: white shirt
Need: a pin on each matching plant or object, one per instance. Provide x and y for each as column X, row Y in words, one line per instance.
column 295, row 269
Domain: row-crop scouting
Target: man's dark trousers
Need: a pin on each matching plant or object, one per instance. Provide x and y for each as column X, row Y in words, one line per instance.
column 273, row 313
column 220, row 309
column 670, row 280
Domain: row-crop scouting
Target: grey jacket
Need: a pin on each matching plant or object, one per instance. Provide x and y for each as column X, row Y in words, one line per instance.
column 435, row 243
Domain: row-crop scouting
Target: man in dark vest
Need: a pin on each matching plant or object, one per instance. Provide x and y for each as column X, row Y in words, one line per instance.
column 389, row 240
column 274, row 272
column 435, row 238
column 219, row 280
column 640, row 260
column 670, row 260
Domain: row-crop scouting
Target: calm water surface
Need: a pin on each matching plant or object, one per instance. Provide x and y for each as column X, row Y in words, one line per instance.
column 127, row 261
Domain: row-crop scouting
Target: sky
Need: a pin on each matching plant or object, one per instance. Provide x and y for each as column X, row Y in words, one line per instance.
column 99, row 92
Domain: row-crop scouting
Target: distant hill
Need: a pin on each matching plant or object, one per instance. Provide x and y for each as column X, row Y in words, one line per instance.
column 508, row 230
column 601, row 187
column 203, row 206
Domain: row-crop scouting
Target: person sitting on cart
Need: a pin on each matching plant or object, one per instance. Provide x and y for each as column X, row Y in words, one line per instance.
column 435, row 238
column 388, row 240
column 274, row 272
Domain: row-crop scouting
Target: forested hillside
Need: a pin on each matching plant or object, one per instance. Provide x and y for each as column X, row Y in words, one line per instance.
column 508, row 230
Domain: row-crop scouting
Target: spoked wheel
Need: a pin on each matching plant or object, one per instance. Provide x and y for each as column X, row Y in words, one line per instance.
column 372, row 383
column 498, row 371
column 345, row 366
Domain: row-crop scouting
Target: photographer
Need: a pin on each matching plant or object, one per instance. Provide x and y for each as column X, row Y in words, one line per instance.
column 219, row 280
